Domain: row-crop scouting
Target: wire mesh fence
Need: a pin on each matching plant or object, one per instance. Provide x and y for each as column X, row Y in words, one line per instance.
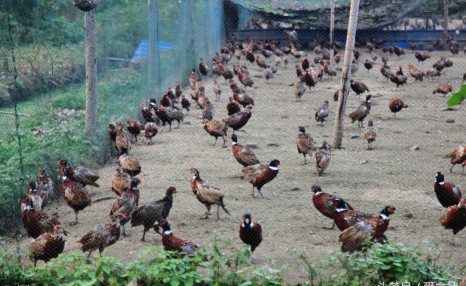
column 202, row 152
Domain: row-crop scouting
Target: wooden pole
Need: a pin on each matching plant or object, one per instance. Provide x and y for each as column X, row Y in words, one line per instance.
column 337, row 138
column 154, row 56
column 91, row 74
column 445, row 20
column 332, row 27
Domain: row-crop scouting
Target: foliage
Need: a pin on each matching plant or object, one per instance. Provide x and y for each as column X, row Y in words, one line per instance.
column 435, row 8
column 171, row 17
column 40, row 68
column 12, row 271
column 62, row 141
column 58, row 23
column 52, row 132
column 238, row 270
column 389, row 263
column 10, row 201
column 49, row 35
column 40, row 21
column 44, row 54
column 121, row 25
column 76, row 269
column 153, row 266
column 457, row 97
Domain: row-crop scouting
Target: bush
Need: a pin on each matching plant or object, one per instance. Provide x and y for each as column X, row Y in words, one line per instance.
column 389, row 263
column 76, row 269
column 153, row 266
column 12, row 271
column 238, row 270
column 157, row 267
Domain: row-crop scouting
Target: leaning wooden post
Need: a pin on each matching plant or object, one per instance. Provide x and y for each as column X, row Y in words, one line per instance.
column 337, row 138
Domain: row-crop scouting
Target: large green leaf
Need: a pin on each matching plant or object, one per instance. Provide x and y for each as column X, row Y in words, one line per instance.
column 457, row 97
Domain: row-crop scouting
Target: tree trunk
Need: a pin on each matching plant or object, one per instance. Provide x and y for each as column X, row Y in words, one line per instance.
column 91, row 74
column 154, row 56
column 332, row 25
column 337, row 138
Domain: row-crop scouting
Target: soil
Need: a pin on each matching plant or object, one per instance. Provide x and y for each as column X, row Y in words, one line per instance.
column 394, row 172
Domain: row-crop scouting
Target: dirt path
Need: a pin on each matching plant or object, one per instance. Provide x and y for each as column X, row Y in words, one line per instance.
column 392, row 173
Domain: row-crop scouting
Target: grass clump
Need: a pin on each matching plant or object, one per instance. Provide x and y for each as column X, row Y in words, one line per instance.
column 70, row 101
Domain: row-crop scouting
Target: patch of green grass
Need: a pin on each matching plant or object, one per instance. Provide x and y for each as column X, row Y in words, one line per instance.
column 70, row 101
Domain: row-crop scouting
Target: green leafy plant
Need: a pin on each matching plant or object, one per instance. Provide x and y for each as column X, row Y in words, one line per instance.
column 76, row 269
column 12, row 271
column 388, row 263
column 238, row 269
column 457, row 97
column 154, row 266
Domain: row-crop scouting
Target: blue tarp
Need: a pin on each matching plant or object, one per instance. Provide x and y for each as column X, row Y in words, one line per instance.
column 143, row 49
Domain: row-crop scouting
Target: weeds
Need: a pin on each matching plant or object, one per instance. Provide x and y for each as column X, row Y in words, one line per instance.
column 389, row 263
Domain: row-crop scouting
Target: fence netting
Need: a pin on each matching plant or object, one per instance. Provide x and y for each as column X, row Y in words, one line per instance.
column 236, row 152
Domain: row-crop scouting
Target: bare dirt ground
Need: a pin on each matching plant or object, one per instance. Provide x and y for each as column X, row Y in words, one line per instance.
column 392, row 173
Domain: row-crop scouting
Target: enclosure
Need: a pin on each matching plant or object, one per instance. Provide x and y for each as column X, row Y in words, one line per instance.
column 143, row 49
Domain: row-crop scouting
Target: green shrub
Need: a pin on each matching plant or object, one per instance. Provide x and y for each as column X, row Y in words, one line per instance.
column 12, row 271
column 76, row 269
column 238, row 269
column 389, row 263
column 153, row 266
column 157, row 267
column 10, row 202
